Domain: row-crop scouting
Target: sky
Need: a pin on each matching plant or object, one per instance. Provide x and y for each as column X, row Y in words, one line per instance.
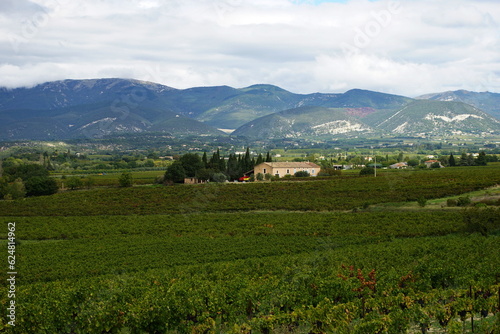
column 405, row 47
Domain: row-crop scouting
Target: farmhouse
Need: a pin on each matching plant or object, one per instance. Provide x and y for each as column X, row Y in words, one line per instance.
column 429, row 163
column 286, row 168
column 399, row 165
column 193, row 180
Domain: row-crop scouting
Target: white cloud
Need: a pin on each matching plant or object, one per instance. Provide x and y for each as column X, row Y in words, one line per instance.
column 404, row 47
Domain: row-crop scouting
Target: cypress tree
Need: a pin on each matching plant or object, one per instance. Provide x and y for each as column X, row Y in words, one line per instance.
column 204, row 159
column 268, row 157
column 247, row 161
column 451, row 161
column 260, row 159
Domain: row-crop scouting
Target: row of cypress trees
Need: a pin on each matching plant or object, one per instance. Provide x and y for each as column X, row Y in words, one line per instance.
column 216, row 168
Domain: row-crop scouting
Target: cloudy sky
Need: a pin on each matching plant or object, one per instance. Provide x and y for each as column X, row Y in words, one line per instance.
column 407, row 47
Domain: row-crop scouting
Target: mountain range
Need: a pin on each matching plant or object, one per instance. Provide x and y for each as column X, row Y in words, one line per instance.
column 100, row 107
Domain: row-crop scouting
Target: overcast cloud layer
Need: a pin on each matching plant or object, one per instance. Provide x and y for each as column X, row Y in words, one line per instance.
column 407, row 47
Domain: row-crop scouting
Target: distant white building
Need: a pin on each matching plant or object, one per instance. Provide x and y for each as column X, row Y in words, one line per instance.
column 286, row 168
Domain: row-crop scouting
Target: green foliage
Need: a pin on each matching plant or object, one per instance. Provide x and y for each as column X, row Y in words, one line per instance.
column 302, row 173
column 227, row 258
column 191, row 163
column 413, row 162
column 213, row 271
column 330, row 172
column 126, row 180
column 175, row 173
column 436, row 164
column 463, row 201
column 74, row 182
column 41, row 186
column 89, row 182
column 422, row 202
column 219, row 177
column 341, row 193
column 25, row 171
column 481, row 220
column 14, row 190
column 451, row 161
column 450, row 202
column 367, row 171
column 205, row 173
column 481, row 159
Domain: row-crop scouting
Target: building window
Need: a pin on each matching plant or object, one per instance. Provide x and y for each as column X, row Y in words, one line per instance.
column 265, row 171
column 288, row 171
column 312, row 173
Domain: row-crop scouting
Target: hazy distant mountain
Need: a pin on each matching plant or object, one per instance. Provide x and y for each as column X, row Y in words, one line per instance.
column 304, row 122
column 99, row 107
column 261, row 100
column 422, row 117
column 417, row 118
column 486, row 101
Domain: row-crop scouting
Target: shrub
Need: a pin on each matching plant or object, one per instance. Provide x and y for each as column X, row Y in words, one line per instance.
column 451, row 202
column 464, row 201
column 367, row 171
column 436, row 165
column 480, row 220
column 89, row 182
column 40, row 186
column 302, row 173
column 74, row 182
column 126, row 180
column 422, row 202
column 330, row 172
column 219, row 177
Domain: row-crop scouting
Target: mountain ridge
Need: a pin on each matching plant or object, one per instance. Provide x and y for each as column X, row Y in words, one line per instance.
column 98, row 107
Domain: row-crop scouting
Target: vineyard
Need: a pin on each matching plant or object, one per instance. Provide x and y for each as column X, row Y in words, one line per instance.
column 337, row 193
column 275, row 257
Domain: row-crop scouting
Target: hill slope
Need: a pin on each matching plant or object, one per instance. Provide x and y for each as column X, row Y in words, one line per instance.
column 423, row 117
column 303, row 122
column 486, row 101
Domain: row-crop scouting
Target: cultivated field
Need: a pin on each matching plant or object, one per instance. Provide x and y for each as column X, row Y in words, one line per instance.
column 339, row 255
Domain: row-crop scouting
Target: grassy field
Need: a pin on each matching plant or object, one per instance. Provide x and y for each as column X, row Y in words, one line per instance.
column 110, row 178
column 343, row 255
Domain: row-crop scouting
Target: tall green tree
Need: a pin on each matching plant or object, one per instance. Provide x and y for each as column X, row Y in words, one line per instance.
column 25, row 171
column 204, row 159
column 247, row 161
column 40, row 186
column 451, row 160
column 481, row 159
column 233, row 167
column 191, row 162
column 259, row 160
column 463, row 159
column 269, row 158
column 175, row 173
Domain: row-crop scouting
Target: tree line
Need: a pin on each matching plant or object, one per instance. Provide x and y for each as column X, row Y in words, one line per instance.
column 18, row 181
column 216, row 168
